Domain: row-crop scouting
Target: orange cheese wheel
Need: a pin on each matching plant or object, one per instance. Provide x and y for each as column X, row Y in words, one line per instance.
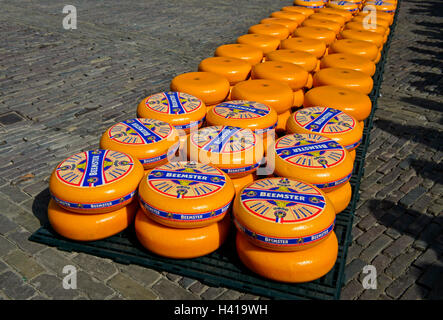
column 244, row 114
column 179, row 109
column 210, row 87
column 249, row 53
column 323, row 23
column 294, row 76
column 316, row 33
column 329, row 17
column 239, row 183
column 263, row 42
column 186, row 194
column 295, row 16
column 291, row 267
column 270, row 29
column 340, row 197
column 328, row 122
column 354, row 25
column 377, row 21
column 299, row 97
column 348, row 61
column 347, row 78
column 343, row 13
column 300, row 58
column 233, row 69
column 90, row 227
column 344, row 5
column 303, row 10
column 387, row 7
column 312, row 4
column 315, row 159
column 276, row 94
column 180, row 243
column 283, row 214
column 236, row 151
column 291, row 25
column 312, row 46
column 356, row 104
column 362, row 48
column 95, row 181
column 152, row 142
column 364, row 35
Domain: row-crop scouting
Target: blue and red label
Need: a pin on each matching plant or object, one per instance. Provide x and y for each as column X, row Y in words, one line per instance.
column 140, row 131
column 173, row 103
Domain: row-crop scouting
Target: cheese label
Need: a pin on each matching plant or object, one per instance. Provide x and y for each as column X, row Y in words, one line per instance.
column 173, row 103
column 282, row 200
column 310, row 151
column 186, row 180
column 241, row 109
column 223, row 139
column 140, row 131
column 94, row 168
column 324, row 120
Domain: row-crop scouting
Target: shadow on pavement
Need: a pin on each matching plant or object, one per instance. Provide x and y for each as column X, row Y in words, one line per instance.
column 40, row 207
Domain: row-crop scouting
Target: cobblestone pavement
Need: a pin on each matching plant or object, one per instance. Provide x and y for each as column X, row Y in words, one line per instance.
column 59, row 90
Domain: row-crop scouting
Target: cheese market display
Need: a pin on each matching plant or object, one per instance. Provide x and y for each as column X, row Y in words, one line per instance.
column 292, row 94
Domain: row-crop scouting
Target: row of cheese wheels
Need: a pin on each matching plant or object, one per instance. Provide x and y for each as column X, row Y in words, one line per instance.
column 92, row 180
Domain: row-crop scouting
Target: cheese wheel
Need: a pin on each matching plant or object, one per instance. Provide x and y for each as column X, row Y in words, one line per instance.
column 233, row 69
column 180, row 243
column 354, row 25
column 248, row 53
column 291, row 267
column 294, row 16
column 340, row 197
column 95, row 181
column 239, row 183
column 186, row 194
column 91, row 227
column 210, row 87
column 315, row 159
column 354, row 103
column 312, row 4
column 323, row 23
column 270, row 29
column 312, row 46
column 316, row 33
column 303, row 10
column 376, row 20
column 236, row 151
column 387, row 7
column 283, row 214
column 275, row 94
column 344, row 5
column 294, row 76
column 352, row 154
column 244, row 114
column 329, row 17
column 152, row 142
column 364, row 35
column 343, row 13
column 348, row 61
column 179, row 109
column 328, row 122
column 299, row 96
column 263, row 42
column 347, row 78
column 291, row 25
column 362, row 48
column 300, row 58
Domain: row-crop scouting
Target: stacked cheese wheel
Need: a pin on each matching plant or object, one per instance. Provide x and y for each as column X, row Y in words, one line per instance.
column 285, row 229
column 93, row 194
column 184, row 209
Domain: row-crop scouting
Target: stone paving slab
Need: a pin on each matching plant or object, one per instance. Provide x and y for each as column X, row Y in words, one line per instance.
column 60, row 89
